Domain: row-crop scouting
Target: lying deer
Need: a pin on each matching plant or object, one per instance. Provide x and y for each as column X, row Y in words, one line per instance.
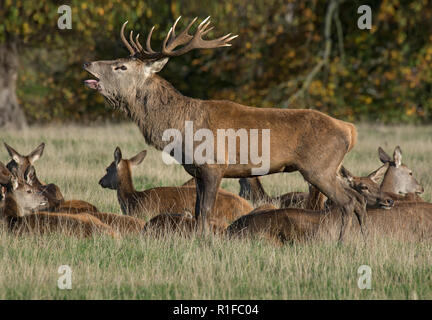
column 163, row 199
column 301, row 140
column 20, row 212
column 56, row 203
column 289, row 224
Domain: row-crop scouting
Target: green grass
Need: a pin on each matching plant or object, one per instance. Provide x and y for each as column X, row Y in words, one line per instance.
column 172, row 267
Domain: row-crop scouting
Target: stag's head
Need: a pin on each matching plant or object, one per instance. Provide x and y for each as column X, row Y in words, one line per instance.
column 120, row 80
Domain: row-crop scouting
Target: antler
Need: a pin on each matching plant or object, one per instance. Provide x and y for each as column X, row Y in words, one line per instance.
column 172, row 41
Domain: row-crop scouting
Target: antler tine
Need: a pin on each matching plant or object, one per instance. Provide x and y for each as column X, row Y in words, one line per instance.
column 138, row 43
column 133, row 42
column 148, row 45
column 227, row 38
column 207, row 31
column 123, row 38
column 204, row 21
column 166, row 39
column 174, row 26
column 204, row 27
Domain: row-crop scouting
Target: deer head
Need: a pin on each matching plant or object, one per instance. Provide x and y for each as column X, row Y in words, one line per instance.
column 119, row 80
column 369, row 188
column 20, row 198
column 120, row 169
column 19, row 163
column 398, row 178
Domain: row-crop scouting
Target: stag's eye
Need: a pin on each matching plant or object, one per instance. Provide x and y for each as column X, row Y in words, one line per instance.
column 121, row 68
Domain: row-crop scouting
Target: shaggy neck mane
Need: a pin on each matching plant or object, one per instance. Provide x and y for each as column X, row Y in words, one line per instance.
column 158, row 106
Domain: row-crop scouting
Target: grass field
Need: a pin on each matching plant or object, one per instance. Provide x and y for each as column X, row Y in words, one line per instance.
column 75, row 159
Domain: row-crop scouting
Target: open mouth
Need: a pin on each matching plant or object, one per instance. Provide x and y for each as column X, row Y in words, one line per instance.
column 92, row 84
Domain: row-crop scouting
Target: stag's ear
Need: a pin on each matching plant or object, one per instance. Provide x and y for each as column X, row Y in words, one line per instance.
column 379, row 173
column 384, row 157
column 157, row 66
column 346, row 174
column 117, row 155
column 5, row 174
column 136, row 160
column 14, row 154
column 397, row 156
column 30, row 175
column 36, row 153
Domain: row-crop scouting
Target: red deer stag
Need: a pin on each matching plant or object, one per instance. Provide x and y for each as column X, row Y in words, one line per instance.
column 163, row 199
column 20, row 164
column 301, row 140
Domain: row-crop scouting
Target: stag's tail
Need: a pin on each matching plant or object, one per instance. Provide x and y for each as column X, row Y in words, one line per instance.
column 353, row 136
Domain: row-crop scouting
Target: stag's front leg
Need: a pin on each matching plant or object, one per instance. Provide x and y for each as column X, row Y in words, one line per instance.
column 207, row 186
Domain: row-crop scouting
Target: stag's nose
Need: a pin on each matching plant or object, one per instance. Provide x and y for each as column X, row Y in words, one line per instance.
column 86, row 65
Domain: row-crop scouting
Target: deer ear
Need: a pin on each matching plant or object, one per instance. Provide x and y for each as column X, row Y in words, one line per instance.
column 117, row 155
column 397, row 156
column 5, row 174
column 384, row 157
column 379, row 173
column 158, row 65
column 36, row 153
column 14, row 154
column 136, row 160
column 346, row 174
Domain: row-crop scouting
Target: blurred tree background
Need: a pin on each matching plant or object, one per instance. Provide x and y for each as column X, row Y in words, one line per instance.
column 381, row 74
